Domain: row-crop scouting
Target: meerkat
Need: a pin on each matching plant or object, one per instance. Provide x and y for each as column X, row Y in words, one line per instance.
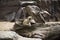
column 28, row 21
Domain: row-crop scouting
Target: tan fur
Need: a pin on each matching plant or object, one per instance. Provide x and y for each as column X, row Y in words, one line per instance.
column 28, row 21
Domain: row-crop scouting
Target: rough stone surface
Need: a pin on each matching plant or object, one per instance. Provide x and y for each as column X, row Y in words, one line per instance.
column 13, row 35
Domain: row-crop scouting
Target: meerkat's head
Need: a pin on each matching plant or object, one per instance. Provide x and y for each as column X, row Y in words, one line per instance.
column 30, row 18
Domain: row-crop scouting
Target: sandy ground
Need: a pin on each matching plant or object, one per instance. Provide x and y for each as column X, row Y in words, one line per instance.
column 6, row 25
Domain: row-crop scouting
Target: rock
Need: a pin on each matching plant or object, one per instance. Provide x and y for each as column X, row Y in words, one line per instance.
column 10, row 17
column 7, row 6
column 14, row 36
column 8, row 35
